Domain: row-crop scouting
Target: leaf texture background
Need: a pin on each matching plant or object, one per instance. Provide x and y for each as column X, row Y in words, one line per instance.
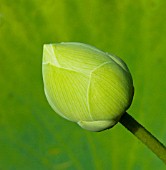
column 32, row 136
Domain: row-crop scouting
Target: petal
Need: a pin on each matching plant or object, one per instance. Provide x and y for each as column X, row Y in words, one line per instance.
column 109, row 92
column 97, row 126
column 66, row 92
column 79, row 57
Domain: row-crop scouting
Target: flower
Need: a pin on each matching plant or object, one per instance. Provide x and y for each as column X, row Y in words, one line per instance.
column 86, row 85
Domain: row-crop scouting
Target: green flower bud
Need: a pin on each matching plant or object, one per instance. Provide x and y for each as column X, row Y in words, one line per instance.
column 86, row 85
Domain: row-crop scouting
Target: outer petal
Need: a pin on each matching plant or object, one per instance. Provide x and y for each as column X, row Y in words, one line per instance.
column 66, row 92
column 79, row 57
column 97, row 125
column 110, row 92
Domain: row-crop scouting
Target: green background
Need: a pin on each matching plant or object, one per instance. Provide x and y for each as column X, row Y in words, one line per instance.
column 32, row 135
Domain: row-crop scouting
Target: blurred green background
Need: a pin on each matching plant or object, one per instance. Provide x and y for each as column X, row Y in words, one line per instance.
column 32, row 136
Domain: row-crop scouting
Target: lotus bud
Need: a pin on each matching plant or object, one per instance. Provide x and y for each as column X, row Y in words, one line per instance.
column 86, row 85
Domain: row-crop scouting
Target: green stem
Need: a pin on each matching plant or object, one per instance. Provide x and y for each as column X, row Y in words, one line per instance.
column 146, row 137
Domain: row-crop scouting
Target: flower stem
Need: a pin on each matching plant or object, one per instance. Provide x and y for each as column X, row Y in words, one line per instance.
column 143, row 135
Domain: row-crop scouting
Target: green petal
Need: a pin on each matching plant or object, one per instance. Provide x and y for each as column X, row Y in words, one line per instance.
column 110, row 92
column 119, row 61
column 79, row 57
column 97, row 125
column 49, row 55
column 66, row 92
